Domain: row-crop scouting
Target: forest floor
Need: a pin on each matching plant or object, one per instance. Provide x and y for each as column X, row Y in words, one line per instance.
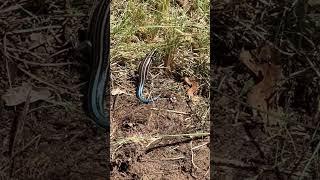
column 265, row 103
column 45, row 132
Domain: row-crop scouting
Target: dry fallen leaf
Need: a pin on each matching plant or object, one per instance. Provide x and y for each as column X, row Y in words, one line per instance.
column 117, row 91
column 18, row 95
column 188, row 81
column 193, row 89
column 263, row 62
column 36, row 38
column 157, row 39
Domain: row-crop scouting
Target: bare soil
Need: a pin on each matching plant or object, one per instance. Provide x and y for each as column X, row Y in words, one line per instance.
column 167, row 139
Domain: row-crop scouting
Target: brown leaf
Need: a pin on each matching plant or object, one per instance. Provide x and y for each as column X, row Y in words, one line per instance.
column 18, row 95
column 194, row 86
column 188, row 81
column 36, row 38
column 117, row 91
column 263, row 61
column 247, row 59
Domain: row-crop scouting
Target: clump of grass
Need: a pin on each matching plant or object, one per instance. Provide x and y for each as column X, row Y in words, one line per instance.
column 138, row 26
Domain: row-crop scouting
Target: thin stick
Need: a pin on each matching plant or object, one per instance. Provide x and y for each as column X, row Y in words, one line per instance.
column 34, row 29
column 43, row 64
column 173, row 111
column 56, row 87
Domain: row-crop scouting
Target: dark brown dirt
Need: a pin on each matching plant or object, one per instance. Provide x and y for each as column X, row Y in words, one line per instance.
column 52, row 139
column 142, row 147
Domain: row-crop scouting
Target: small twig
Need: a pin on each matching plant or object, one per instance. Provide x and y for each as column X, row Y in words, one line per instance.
column 172, row 111
column 26, row 51
column 28, row 12
column 35, row 139
column 34, row 29
column 192, row 156
column 163, row 159
column 38, row 79
column 43, row 64
column 233, row 163
column 37, row 108
column 56, row 87
column 59, row 52
column 42, row 43
column 197, row 147
column 141, row 138
column 17, row 128
column 310, row 160
column 11, row 8
column 263, row 111
column 313, row 66
column 199, row 134
column 6, row 59
column 65, row 105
